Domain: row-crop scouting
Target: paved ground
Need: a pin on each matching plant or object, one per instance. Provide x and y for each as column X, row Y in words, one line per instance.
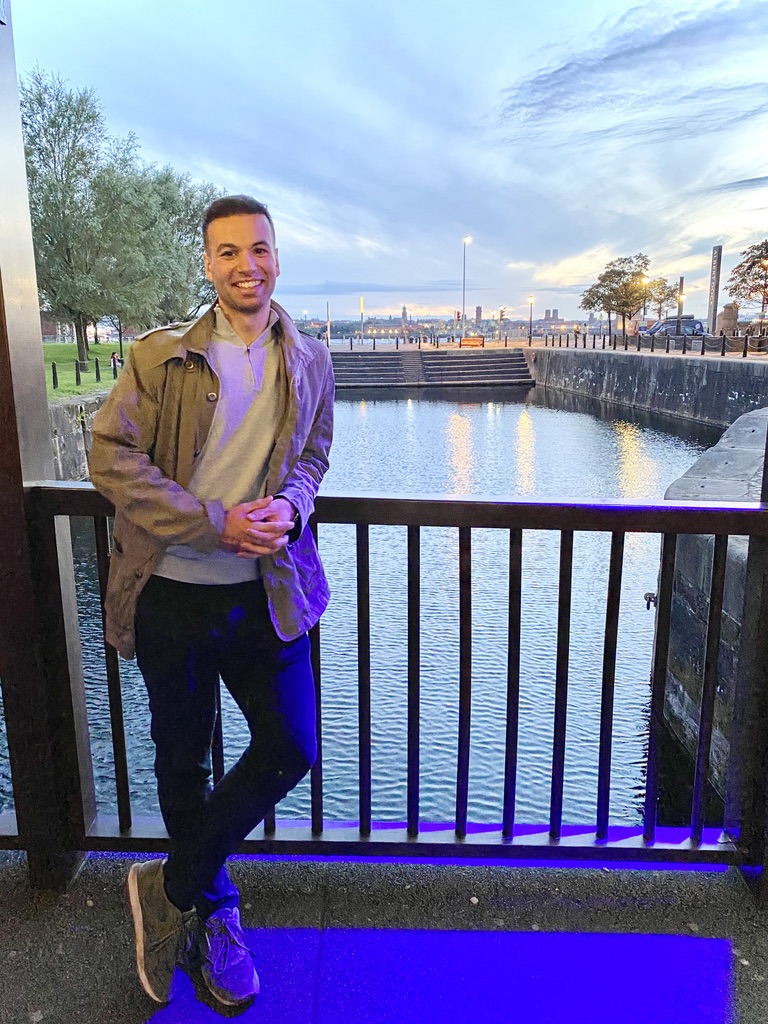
column 382, row 943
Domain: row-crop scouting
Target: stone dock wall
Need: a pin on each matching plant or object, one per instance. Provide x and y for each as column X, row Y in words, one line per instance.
column 706, row 389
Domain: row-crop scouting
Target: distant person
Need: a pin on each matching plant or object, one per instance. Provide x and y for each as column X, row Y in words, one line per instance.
column 114, row 360
column 576, row 333
column 212, row 446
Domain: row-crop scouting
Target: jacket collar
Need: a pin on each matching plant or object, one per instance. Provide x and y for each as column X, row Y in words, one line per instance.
column 178, row 340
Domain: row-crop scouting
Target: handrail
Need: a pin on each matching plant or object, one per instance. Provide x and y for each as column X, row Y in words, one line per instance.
column 67, row 498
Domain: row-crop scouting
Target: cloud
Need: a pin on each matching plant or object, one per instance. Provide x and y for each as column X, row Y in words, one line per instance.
column 744, row 185
column 635, row 82
column 369, row 287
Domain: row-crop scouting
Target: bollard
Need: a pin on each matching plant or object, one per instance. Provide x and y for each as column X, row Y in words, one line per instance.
column 594, row 337
column 667, row 346
column 350, row 343
column 638, row 342
column 746, row 346
column 722, row 347
column 78, row 378
column 602, row 339
column 615, row 339
column 626, row 342
column 97, row 368
column 55, row 375
column 567, row 341
column 559, row 341
column 653, row 339
column 684, row 340
column 703, row 349
column 584, row 341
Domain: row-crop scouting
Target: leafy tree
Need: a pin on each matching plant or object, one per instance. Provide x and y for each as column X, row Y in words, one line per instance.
column 63, row 133
column 749, row 278
column 114, row 237
column 182, row 205
column 662, row 295
column 619, row 289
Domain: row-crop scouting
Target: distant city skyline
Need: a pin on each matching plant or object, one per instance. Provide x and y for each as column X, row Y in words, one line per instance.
column 381, row 135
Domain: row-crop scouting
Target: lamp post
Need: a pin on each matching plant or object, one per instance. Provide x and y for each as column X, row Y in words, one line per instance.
column 646, row 281
column 305, row 318
column 467, row 240
column 530, row 320
column 680, row 301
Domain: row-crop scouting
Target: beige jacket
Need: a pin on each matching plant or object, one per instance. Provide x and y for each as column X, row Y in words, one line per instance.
column 145, row 441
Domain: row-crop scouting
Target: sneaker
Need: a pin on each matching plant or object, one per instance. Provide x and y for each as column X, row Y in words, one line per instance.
column 225, row 960
column 159, row 928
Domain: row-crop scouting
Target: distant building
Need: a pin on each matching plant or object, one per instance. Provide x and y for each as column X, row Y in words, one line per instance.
column 547, row 314
column 478, row 315
column 555, row 314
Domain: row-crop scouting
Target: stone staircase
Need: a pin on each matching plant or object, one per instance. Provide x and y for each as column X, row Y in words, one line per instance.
column 472, row 367
column 416, row 368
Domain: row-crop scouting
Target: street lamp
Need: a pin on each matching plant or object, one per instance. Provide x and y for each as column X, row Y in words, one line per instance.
column 680, row 301
column 646, row 281
column 467, row 240
column 305, row 317
column 530, row 319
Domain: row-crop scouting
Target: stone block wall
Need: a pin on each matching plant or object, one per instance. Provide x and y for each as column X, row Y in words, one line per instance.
column 730, row 471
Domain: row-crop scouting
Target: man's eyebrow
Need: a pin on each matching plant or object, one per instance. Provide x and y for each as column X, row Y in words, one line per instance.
column 231, row 245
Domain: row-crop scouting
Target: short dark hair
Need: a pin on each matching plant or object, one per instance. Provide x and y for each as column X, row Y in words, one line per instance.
column 231, row 206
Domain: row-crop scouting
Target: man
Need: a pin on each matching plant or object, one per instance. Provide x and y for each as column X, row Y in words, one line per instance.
column 212, row 446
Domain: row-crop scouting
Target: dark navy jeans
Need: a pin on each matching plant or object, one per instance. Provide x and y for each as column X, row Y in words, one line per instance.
column 187, row 636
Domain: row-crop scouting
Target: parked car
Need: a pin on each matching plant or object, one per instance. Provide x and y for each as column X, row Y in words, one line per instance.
column 688, row 326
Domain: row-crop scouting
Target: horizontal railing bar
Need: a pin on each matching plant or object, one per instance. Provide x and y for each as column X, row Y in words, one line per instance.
column 674, row 845
column 68, row 498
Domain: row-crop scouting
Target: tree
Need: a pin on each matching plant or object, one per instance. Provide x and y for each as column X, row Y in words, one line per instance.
column 619, row 289
column 661, row 295
column 182, row 205
column 63, row 135
column 114, row 237
column 749, row 278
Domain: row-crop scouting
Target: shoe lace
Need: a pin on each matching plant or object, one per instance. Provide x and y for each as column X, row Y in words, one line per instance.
column 223, row 940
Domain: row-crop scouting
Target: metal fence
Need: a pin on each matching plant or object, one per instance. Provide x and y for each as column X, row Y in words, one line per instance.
column 695, row 344
column 740, row 842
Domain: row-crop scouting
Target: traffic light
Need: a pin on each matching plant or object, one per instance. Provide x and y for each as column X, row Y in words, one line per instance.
column 458, row 315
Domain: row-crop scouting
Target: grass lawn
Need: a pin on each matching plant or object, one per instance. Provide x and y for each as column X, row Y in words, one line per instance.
column 65, row 355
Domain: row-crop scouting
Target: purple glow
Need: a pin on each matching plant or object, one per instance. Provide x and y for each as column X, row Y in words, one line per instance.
column 346, row 976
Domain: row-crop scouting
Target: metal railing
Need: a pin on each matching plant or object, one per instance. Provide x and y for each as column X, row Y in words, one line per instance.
column 695, row 344
column 742, row 842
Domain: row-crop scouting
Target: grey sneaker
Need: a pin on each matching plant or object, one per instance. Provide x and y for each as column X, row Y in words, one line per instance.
column 225, row 960
column 159, row 929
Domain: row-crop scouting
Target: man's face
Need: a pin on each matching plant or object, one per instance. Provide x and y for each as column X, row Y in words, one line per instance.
column 241, row 260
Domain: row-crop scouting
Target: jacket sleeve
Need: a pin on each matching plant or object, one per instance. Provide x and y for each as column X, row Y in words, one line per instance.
column 302, row 482
column 122, row 469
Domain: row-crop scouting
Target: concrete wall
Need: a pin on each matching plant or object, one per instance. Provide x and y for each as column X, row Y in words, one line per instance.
column 730, row 471
column 703, row 388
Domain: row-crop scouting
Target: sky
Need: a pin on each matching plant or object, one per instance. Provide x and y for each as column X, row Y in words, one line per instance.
column 558, row 136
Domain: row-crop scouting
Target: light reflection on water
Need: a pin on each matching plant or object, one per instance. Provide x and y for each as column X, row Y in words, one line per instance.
column 491, row 447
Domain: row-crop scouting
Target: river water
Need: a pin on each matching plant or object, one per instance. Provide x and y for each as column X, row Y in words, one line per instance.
column 476, row 444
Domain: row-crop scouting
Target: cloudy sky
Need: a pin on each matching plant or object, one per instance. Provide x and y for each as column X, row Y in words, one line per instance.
column 558, row 135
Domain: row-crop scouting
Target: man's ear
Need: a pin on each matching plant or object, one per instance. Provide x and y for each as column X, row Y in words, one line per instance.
column 207, row 266
column 277, row 264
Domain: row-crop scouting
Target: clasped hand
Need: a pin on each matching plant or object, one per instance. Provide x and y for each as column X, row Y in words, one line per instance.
column 257, row 528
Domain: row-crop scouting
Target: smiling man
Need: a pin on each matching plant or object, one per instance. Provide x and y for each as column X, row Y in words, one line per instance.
column 212, row 446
